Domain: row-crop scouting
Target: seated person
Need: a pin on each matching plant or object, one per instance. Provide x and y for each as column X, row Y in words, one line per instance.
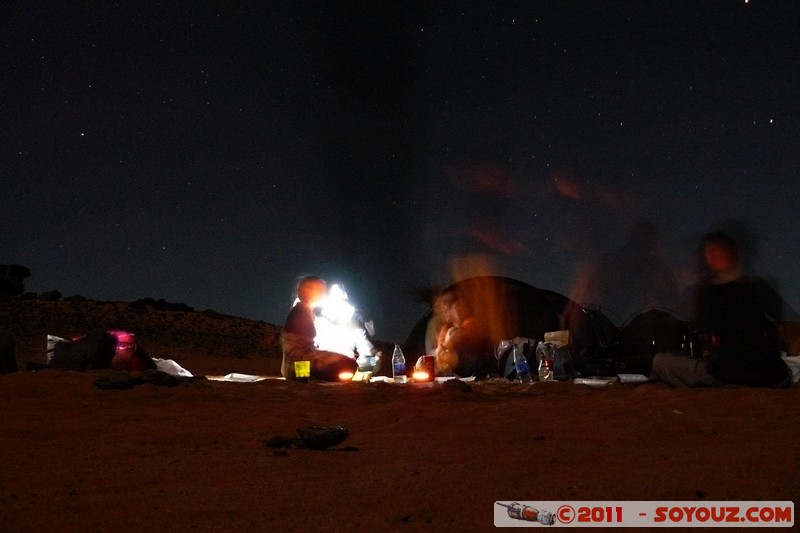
column 297, row 337
column 464, row 348
column 738, row 315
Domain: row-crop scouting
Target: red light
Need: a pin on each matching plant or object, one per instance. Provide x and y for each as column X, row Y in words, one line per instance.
column 346, row 376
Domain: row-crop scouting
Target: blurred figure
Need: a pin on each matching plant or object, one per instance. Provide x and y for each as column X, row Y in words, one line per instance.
column 464, row 347
column 439, row 320
column 445, row 356
column 299, row 332
column 633, row 279
column 736, row 316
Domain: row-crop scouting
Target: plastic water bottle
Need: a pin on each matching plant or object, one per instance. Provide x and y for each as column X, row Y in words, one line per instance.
column 544, row 353
column 399, row 365
column 521, row 366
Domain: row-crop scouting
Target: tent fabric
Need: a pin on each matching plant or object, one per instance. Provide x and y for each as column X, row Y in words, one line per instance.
column 647, row 334
column 592, row 334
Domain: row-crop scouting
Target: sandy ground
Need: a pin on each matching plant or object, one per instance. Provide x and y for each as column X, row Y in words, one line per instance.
column 419, row 456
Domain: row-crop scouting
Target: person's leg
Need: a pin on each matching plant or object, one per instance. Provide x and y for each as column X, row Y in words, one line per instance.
column 681, row 371
column 291, row 353
column 327, row 366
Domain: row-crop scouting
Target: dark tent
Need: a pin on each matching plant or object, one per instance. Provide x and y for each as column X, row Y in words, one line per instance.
column 645, row 335
column 595, row 341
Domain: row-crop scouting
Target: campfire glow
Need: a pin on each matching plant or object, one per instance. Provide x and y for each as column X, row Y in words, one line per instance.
column 421, row 375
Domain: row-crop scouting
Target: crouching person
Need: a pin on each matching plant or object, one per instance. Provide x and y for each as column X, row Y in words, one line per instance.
column 297, row 337
column 464, row 347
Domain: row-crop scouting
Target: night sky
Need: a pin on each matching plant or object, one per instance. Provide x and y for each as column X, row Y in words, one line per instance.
column 209, row 154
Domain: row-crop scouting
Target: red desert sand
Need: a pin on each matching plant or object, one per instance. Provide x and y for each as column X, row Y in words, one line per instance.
column 419, row 456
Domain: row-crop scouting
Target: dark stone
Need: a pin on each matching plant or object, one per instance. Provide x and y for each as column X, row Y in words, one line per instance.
column 314, row 437
column 322, row 437
column 456, row 384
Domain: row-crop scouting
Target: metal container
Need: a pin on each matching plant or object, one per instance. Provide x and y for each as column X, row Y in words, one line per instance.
column 428, row 364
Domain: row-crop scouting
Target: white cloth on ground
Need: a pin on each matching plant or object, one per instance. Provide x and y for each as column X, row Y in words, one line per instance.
column 172, row 368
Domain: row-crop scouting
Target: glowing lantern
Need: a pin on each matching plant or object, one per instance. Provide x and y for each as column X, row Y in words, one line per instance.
column 421, row 376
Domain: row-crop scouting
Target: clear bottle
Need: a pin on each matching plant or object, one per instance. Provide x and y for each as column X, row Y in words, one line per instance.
column 399, row 365
column 521, row 366
column 688, row 345
column 562, row 364
column 544, row 354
